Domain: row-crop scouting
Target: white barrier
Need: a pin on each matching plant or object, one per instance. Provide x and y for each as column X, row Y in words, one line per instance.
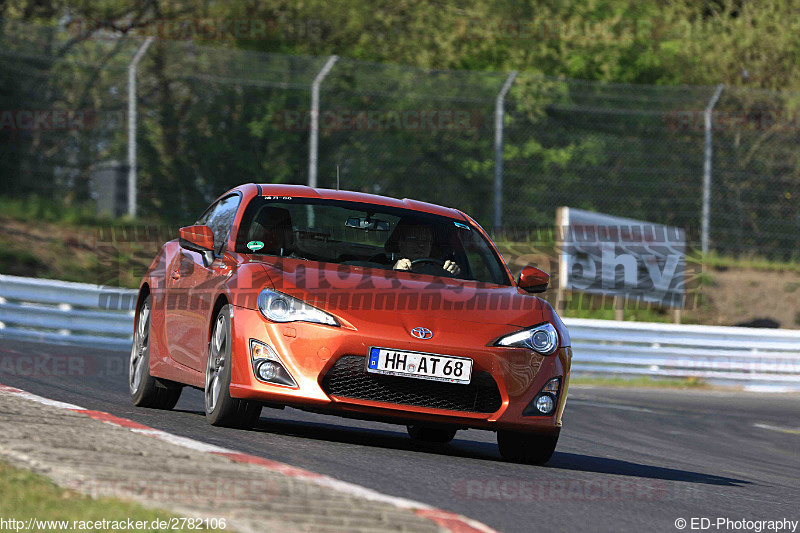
column 717, row 353
column 83, row 314
column 63, row 312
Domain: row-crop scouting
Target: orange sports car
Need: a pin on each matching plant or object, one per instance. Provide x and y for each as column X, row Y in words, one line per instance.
column 355, row 305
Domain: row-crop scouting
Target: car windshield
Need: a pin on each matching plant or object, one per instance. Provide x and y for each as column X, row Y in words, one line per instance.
column 368, row 235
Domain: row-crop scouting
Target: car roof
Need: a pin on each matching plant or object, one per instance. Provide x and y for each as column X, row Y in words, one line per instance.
column 304, row 191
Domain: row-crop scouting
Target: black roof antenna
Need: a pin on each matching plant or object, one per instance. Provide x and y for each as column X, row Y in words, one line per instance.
column 337, row 177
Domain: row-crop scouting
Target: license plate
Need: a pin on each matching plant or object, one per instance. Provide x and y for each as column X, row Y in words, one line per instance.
column 419, row 365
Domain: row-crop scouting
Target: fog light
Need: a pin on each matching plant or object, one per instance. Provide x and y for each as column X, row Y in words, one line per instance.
column 544, row 404
column 267, row 370
column 268, row 366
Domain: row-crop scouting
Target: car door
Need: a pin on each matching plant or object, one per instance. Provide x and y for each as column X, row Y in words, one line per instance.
column 193, row 287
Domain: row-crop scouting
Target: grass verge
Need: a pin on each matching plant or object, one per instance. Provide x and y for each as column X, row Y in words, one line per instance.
column 760, row 263
column 641, row 381
column 25, row 495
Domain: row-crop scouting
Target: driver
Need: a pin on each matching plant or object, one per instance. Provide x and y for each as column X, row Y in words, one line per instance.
column 417, row 242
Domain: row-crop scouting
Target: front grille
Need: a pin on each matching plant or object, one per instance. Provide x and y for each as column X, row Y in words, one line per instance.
column 349, row 379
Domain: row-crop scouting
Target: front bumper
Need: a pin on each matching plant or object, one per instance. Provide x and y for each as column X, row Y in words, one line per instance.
column 310, row 351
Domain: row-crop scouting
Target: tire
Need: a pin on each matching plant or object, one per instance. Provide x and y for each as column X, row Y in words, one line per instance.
column 431, row 434
column 145, row 390
column 221, row 409
column 527, row 448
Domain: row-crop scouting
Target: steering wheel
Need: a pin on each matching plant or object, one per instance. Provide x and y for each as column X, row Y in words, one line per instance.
column 431, row 260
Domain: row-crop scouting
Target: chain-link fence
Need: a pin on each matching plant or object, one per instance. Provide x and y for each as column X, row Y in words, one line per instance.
column 62, row 107
column 211, row 118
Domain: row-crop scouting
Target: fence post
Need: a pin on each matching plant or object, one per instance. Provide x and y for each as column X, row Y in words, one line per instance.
column 706, row 223
column 499, row 112
column 313, row 140
column 132, row 177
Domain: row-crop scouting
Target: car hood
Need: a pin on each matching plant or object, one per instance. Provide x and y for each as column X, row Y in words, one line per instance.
column 358, row 292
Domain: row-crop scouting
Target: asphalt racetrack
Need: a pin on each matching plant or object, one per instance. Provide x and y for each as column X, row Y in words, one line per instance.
column 628, row 460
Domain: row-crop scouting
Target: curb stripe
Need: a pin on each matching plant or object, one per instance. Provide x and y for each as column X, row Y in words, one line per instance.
column 110, row 419
column 46, row 401
column 275, row 466
column 177, row 440
column 453, row 522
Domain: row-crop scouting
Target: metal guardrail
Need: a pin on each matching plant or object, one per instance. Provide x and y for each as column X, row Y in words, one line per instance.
column 82, row 314
column 732, row 355
column 63, row 312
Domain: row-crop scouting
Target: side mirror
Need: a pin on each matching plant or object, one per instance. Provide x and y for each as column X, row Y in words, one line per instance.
column 198, row 239
column 531, row 279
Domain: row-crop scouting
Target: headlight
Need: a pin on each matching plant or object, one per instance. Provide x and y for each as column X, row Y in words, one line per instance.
column 280, row 307
column 542, row 339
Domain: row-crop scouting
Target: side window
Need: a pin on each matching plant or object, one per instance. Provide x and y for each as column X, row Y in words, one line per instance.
column 207, row 215
column 220, row 219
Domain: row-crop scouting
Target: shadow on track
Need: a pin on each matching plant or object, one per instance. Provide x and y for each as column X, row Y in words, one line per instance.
column 396, row 440
column 602, row 465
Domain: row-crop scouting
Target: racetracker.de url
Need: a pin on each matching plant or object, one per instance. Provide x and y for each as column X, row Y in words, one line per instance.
column 728, row 524
column 159, row 524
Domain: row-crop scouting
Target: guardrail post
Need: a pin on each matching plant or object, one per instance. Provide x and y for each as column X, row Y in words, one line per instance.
column 706, row 224
column 132, row 174
column 313, row 138
column 499, row 113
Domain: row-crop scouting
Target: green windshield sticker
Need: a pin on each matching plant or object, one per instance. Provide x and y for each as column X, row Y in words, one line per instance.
column 255, row 245
column 460, row 225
